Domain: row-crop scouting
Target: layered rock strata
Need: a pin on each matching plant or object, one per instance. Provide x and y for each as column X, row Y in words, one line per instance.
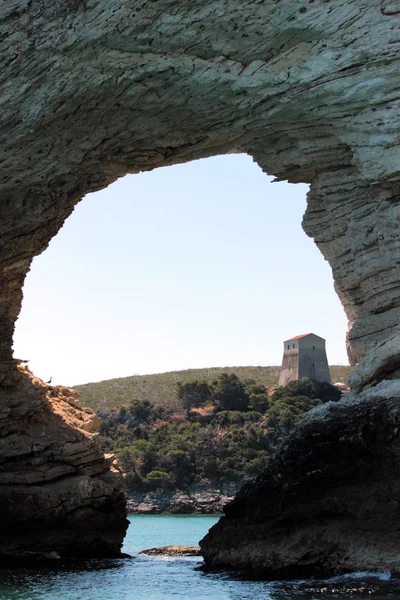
column 59, row 495
column 329, row 501
column 91, row 90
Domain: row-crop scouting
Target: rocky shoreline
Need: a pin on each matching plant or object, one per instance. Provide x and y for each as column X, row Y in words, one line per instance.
column 172, row 551
column 178, row 502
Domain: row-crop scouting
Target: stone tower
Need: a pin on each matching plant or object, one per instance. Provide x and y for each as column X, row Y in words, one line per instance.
column 304, row 356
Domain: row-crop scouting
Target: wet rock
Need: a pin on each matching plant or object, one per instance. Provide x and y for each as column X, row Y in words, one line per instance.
column 173, row 551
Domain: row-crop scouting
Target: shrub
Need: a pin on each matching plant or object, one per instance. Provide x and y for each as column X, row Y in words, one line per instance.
column 193, row 394
column 160, row 480
column 287, row 411
column 309, row 388
column 258, row 397
column 140, row 411
column 161, row 450
column 229, row 393
column 225, row 418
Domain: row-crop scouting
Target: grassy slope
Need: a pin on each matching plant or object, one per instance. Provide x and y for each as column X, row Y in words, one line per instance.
column 161, row 388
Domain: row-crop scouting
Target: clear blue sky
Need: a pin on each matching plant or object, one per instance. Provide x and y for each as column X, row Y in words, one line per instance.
column 197, row 265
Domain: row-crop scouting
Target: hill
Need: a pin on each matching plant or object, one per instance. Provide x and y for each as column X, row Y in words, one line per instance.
column 161, row 388
column 223, row 434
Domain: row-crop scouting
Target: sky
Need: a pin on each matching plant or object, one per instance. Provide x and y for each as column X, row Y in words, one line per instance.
column 197, row 265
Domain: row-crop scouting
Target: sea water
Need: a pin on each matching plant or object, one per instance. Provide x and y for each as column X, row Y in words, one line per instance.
column 155, row 578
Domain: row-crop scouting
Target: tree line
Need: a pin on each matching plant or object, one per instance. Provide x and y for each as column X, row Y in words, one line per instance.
column 225, row 432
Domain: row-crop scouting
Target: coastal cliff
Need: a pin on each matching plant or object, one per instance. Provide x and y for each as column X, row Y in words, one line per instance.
column 329, row 501
column 91, row 90
column 59, row 495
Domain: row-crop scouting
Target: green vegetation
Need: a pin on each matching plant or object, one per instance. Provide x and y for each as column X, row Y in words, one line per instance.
column 193, row 394
column 161, row 388
column 224, row 431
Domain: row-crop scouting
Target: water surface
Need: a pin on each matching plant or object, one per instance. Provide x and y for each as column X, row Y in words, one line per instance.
column 156, row 578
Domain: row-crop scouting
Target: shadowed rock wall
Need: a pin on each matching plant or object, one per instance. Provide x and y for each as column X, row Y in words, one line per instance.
column 58, row 492
column 328, row 503
column 91, row 90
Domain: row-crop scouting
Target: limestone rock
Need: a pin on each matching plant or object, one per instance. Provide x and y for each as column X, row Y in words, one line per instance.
column 92, row 89
column 172, row 551
column 194, row 502
column 329, row 500
column 58, row 492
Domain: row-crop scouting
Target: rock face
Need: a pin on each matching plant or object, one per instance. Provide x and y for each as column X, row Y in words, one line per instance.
column 58, row 492
column 329, row 501
column 91, row 90
column 202, row 503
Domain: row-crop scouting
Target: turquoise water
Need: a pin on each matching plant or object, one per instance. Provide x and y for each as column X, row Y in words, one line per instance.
column 154, row 578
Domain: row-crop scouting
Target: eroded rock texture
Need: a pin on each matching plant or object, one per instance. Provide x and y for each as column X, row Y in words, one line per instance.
column 92, row 89
column 58, row 492
column 329, row 501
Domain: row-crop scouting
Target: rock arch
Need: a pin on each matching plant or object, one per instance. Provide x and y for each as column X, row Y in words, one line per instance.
column 92, row 90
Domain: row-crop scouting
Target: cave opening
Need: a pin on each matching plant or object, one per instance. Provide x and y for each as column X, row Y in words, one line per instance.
column 94, row 90
column 196, row 265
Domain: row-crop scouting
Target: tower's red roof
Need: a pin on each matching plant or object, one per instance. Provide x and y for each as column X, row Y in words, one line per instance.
column 297, row 337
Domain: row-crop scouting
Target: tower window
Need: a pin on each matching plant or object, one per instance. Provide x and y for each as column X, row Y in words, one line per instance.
column 288, row 346
column 294, row 345
column 313, row 347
